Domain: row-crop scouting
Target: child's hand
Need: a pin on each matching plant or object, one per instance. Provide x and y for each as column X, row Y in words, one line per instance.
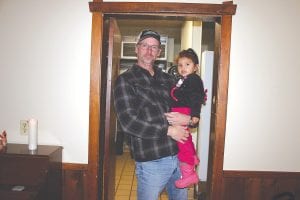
column 195, row 120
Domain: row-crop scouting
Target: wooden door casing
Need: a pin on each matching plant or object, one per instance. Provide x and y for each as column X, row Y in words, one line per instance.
column 111, row 60
column 223, row 12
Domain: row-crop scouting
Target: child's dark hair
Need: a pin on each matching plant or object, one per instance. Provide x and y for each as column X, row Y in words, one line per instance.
column 188, row 53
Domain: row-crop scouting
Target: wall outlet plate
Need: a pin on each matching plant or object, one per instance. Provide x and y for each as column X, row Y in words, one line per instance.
column 24, row 127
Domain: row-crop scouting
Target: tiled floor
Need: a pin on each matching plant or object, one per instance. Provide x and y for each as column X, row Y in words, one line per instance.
column 126, row 182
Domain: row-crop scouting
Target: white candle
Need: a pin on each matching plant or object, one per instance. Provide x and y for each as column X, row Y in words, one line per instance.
column 32, row 136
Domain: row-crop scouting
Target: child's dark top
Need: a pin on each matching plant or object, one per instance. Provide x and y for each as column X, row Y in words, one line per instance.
column 190, row 94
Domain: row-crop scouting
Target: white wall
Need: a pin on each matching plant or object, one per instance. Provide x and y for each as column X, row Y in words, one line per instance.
column 186, row 35
column 44, row 63
column 263, row 113
column 44, row 72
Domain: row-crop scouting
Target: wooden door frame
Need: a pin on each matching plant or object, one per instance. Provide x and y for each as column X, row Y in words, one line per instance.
column 223, row 11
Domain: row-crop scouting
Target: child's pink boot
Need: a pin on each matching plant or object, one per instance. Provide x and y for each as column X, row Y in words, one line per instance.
column 189, row 176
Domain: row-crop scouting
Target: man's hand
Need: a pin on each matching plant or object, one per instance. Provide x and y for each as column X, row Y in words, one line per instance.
column 178, row 133
column 176, row 118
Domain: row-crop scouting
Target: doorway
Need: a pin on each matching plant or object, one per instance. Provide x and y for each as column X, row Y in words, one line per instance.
column 175, row 33
column 201, row 38
column 220, row 14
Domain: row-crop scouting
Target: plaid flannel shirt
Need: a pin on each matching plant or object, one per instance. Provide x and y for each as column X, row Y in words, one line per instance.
column 140, row 103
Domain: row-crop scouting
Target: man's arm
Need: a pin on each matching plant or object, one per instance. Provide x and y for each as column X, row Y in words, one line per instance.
column 176, row 118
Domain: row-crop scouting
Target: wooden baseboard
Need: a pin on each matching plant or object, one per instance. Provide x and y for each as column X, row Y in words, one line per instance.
column 255, row 174
column 259, row 185
column 237, row 185
column 74, row 166
column 74, row 181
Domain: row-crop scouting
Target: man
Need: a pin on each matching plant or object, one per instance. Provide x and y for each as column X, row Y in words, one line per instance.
column 142, row 99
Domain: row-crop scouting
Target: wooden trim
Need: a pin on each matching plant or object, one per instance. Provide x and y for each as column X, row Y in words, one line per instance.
column 74, row 166
column 261, row 174
column 74, row 181
column 259, row 185
column 99, row 9
column 166, row 8
column 215, row 189
column 94, row 117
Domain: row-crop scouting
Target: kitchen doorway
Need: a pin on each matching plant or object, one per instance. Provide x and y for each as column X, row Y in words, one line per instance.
column 171, row 31
column 176, row 34
column 221, row 15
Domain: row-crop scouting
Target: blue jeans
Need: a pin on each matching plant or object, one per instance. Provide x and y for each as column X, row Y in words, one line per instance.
column 153, row 176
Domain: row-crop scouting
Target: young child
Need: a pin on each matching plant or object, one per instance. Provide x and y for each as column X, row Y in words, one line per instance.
column 188, row 96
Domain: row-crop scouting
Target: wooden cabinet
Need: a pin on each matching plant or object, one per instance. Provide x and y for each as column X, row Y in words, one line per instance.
column 39, row 171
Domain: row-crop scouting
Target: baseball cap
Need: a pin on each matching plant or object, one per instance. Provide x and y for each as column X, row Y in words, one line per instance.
column 147, row 34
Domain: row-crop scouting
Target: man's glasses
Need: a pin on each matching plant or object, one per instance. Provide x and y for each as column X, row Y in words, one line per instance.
column 145, row 46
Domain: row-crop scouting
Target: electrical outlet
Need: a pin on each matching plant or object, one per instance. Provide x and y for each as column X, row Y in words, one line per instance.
column 24, row 127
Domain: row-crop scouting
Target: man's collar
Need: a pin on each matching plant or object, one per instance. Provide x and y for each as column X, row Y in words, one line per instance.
column 155, row 69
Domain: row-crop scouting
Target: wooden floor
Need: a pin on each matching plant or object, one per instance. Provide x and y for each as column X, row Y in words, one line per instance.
column 126, row 183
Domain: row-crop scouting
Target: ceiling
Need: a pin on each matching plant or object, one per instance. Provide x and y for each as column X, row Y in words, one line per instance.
column 132, row 27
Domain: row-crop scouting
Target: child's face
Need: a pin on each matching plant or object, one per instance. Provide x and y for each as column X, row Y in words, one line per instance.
column 186, row 66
